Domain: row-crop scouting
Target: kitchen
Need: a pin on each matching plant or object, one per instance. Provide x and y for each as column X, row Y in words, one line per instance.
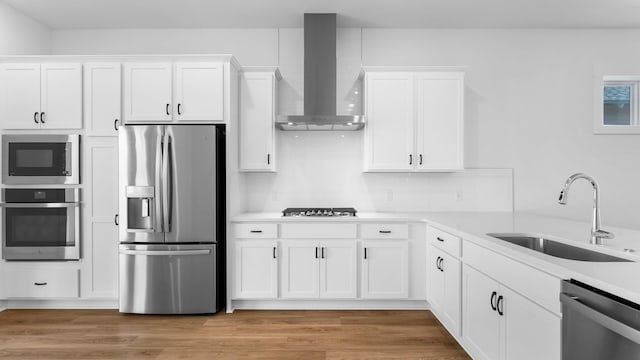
column 530, row 81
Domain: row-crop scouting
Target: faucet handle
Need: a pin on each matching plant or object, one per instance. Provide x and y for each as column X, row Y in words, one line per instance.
column 602, row 234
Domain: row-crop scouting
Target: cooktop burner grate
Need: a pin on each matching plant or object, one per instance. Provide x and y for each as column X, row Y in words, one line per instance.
column 319, row 212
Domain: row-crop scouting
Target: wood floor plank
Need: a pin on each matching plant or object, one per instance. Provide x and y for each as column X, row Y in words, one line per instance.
column 249, row 334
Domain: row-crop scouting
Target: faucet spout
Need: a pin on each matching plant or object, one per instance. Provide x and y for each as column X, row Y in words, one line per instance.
column 597, row 234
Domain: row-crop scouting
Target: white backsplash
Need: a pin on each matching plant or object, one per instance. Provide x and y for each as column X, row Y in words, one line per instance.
column 324, row 169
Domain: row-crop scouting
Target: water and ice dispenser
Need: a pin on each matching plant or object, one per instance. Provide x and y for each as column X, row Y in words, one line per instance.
column 140, row 208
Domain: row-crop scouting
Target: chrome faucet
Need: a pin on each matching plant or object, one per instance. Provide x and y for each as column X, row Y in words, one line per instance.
column 597, row 234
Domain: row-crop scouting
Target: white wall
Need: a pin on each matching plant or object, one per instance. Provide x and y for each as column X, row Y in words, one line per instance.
column 529, row 105
column 21, row 35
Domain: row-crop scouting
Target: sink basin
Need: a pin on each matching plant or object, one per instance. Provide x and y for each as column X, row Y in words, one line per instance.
column 555, row 248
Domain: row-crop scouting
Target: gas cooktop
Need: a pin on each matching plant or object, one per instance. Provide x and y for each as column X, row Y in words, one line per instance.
column 319, row 212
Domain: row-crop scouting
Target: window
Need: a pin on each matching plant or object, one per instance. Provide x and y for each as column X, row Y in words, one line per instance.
column 618, row 104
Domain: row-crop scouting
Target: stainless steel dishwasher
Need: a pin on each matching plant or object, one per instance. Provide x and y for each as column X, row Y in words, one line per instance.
column 597, row 325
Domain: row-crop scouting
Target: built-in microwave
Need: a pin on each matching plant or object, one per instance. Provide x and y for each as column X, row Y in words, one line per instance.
column 40, row 159
column 40, row 224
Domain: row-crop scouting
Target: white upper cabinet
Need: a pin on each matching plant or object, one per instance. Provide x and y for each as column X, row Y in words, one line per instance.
column 147, row 92
column 257, row 115
column 198, row 92
column 390, row 119
column 166, row 92
column 414, row 121
column 41, row 96
column 440, row 121
column 102, row 98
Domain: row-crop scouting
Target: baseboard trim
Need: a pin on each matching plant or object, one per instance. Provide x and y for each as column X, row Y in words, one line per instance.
column 61, row 304
column 329, row 305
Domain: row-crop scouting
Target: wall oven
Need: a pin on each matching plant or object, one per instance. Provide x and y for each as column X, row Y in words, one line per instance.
column 40, row 224
column 40, row 159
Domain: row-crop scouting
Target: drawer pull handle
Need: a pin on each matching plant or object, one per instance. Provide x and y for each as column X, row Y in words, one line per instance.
column 440, row 239
column 39, row 283
column 256, row 231
column 499, row 305
column 365, row 253
column 494, row 307
column 385, row 231
column 274, row 252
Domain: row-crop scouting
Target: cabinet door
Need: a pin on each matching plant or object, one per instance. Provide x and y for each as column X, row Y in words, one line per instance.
column 435, row 278
column 440, row 133
column 389, row 134
column 256, row 269
column 257, row 112
column 300, row 269
column 102, row 98
column 101, row 170
column 61, row 96
column 20, row 96
column 338, row 269
column 523, row 321
column 199, row 92
column 385, row 269
column 451, row 283
column 147, row 92
column 481, row 326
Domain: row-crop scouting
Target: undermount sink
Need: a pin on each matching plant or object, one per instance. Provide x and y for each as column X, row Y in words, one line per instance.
column 555, row 248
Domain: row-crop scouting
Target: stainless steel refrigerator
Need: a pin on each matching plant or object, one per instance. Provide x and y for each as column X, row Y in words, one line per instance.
column 171, row 219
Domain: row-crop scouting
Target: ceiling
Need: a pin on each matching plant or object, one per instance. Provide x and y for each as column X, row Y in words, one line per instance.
column 86, row 14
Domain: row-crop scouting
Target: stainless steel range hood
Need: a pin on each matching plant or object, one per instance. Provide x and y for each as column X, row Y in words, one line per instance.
column 320, row 81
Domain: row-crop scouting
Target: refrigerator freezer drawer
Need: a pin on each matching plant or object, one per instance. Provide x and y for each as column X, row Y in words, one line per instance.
column 168, row 279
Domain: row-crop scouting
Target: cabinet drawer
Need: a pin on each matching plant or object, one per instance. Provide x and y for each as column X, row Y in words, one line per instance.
column 444, row 241
column 42, row 283
column 534, row 284
column 319, row 231
column 385, row 231
column 256, row 231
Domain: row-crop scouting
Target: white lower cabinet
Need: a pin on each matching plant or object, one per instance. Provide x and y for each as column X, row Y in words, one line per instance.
column 319, row 269
column 256, row 269
column 41, row 281
column 385, row 269
column 499, row 323
column 443, row 276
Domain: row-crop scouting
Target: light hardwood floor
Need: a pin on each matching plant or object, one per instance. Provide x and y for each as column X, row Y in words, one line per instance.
column 268, row 334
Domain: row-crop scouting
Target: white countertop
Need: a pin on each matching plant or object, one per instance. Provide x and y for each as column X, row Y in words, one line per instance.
column 621, row 278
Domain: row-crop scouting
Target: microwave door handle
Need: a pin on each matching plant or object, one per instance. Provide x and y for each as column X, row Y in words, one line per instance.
column 166, row 184
column 68, row 160
column 601, row 319
column 39, row 205
column 158, row 226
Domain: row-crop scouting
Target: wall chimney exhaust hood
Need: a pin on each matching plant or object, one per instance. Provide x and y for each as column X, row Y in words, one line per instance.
column 320, row 81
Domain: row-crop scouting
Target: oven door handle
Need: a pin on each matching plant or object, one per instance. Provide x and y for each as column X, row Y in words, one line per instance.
column 616, row 326
column 39, row 205
column 166, row 252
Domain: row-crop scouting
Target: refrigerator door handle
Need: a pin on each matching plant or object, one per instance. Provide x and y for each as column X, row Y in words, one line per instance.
column 166, row 253
column 166, row 184
column 157, row 218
